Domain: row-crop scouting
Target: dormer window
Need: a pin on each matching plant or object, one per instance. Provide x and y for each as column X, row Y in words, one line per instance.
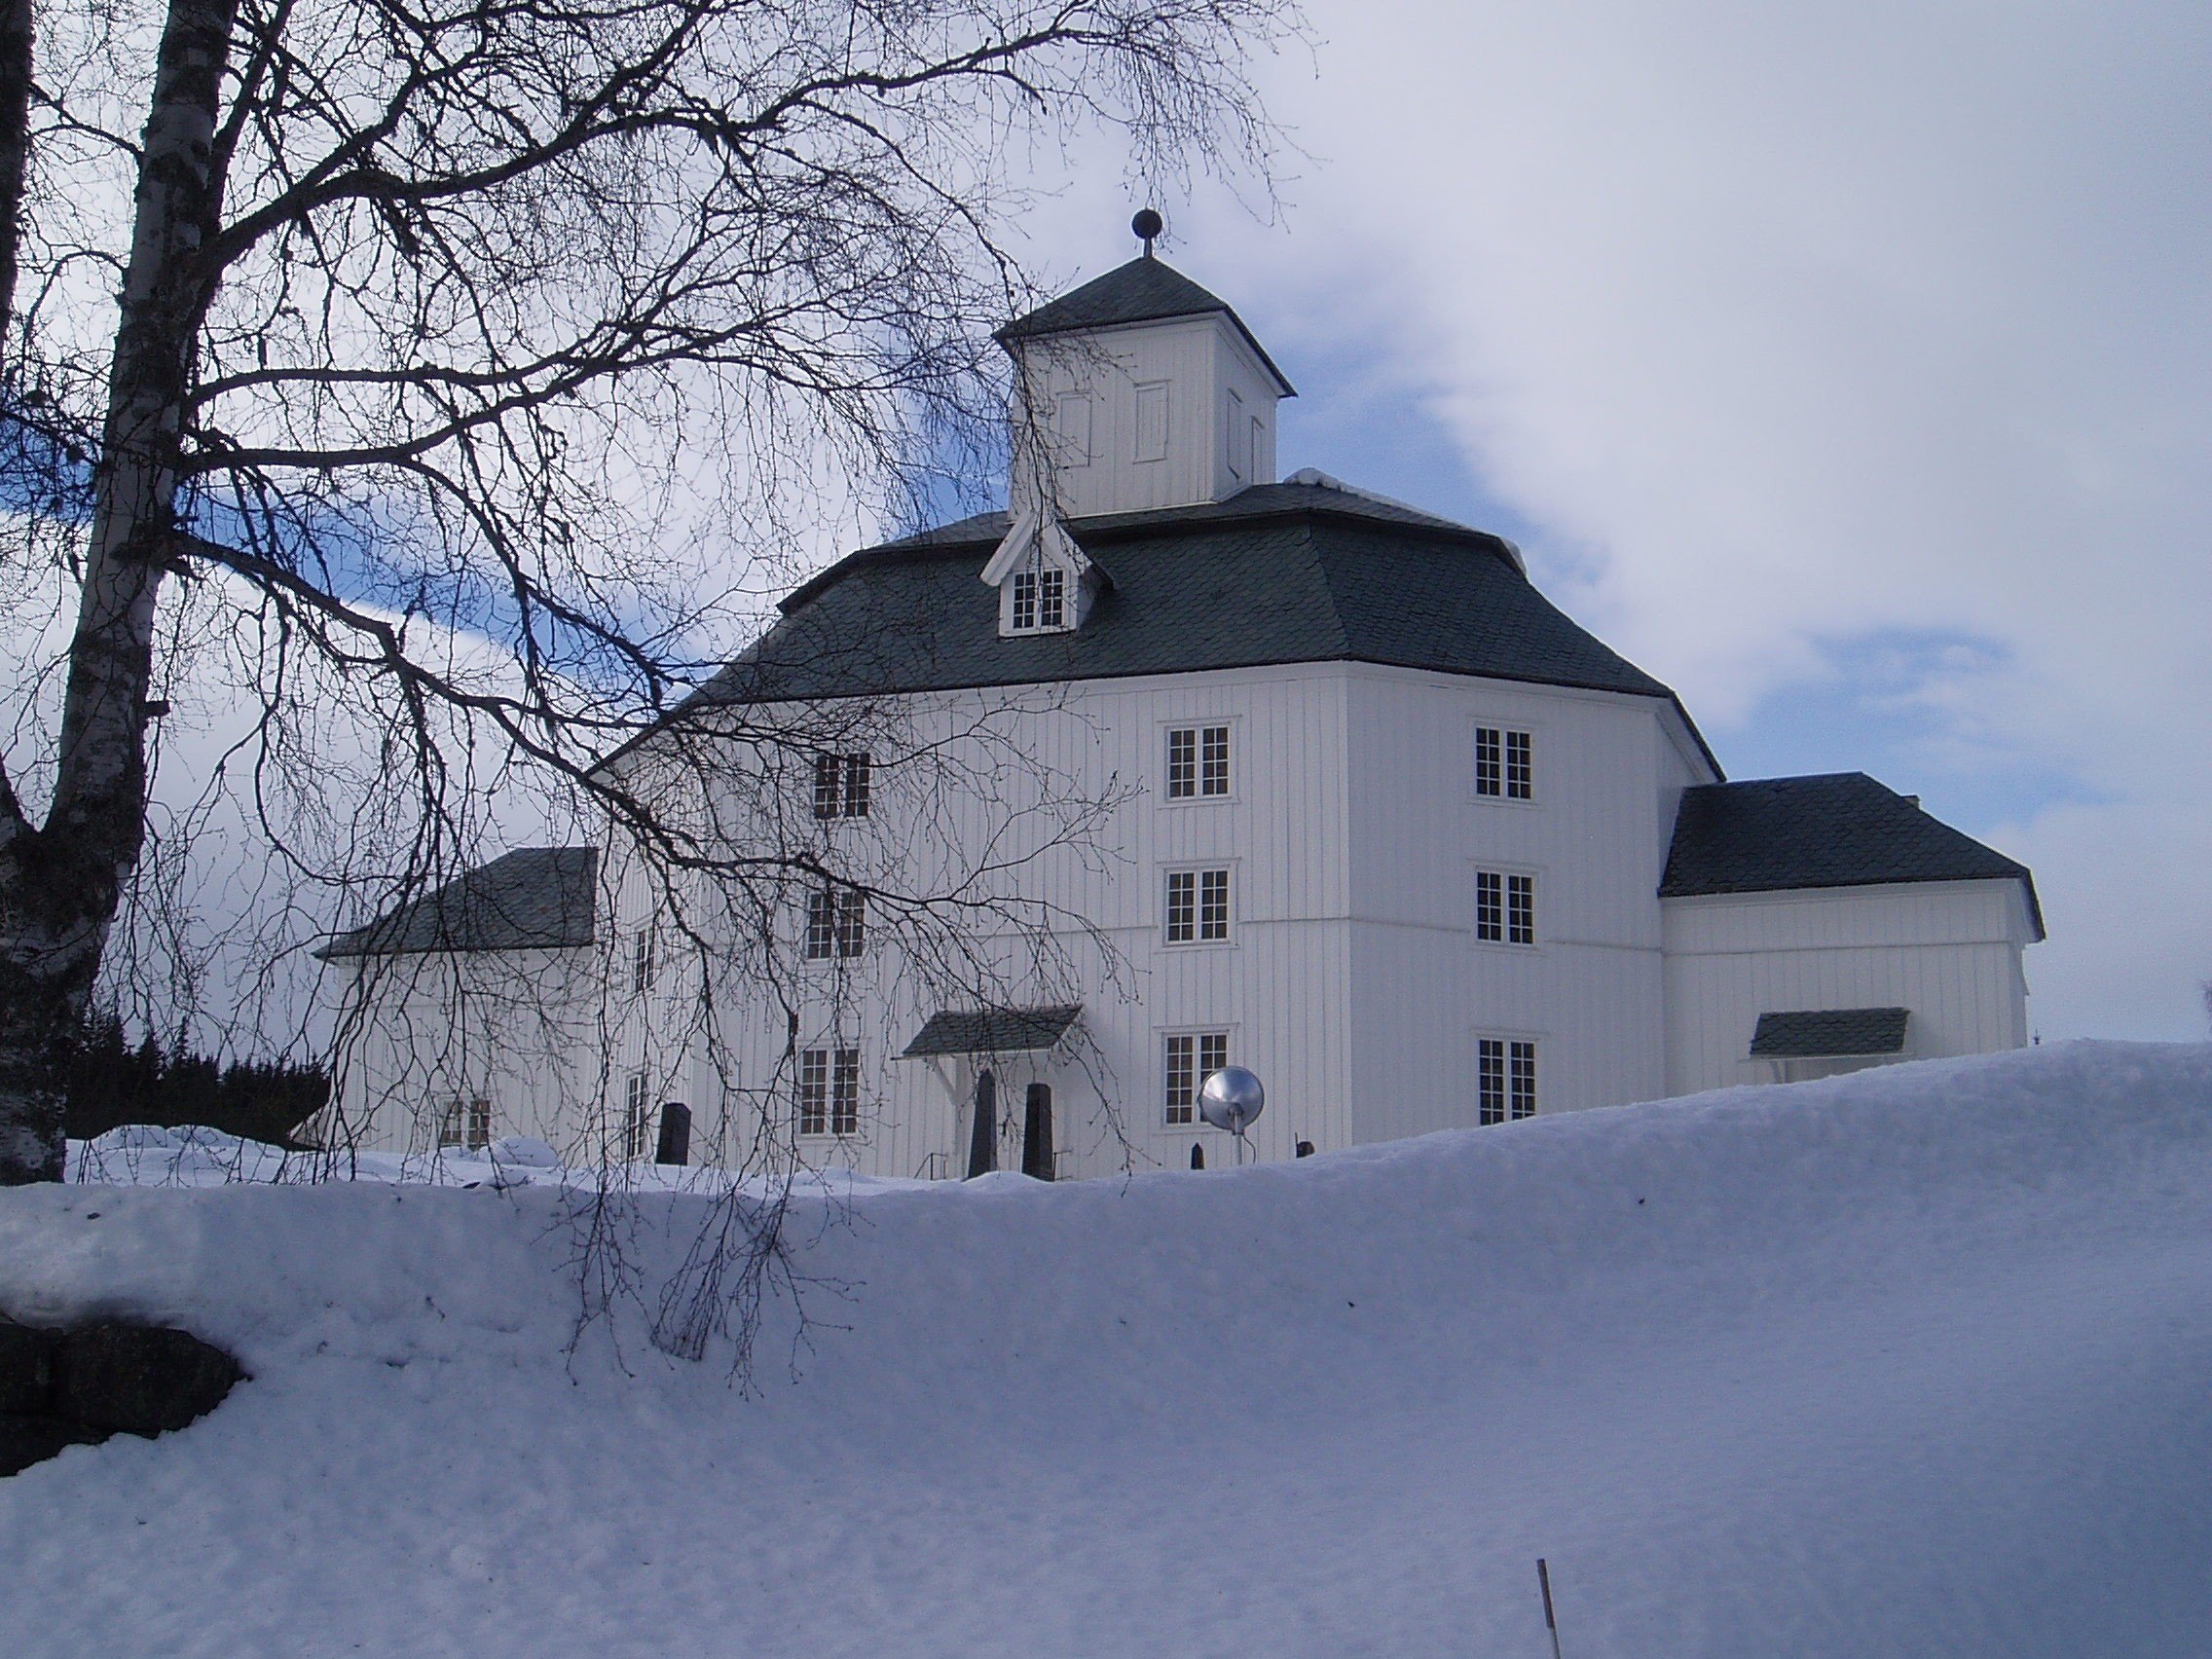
column 1040, row 600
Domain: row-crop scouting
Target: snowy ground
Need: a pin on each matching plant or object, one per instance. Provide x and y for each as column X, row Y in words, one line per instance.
column 1915, row 1362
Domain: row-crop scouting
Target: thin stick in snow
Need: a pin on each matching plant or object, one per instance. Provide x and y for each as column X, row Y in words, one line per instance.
column 1544, row 1583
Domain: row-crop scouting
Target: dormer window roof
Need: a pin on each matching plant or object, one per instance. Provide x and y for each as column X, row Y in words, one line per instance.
column 1042, row 577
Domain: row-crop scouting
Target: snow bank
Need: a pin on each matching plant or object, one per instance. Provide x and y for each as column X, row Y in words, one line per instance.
column 1908, row 1362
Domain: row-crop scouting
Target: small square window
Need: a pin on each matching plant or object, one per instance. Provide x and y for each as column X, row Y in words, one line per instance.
column 1197, row 761
column 1197, row 906
column 467, row 1124
column 836, row 924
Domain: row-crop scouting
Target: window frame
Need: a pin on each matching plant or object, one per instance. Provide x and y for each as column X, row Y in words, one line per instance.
column 636, row 1119
column 1196, row 727
column 464, row 1122
column 1506, row 730
column 1221, row 903
column 1183, row 1114
column 1508, row 1077
column 1515, row 908
column 825, row 1092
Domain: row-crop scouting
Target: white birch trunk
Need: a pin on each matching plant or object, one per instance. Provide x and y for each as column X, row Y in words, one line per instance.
column 60, row 883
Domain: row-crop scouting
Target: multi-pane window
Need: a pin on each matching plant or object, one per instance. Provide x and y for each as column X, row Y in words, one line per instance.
column 1504, row 763
column 840, row 786
column 1193, row 1056
column 1506, row 1079
column 1505, row 907
column 829, row 1092
column 1198, row 905
column 1040, row 599
column 836, row 924
column 642, row 965
column 1197, row 761
column 465, row 1124
column 636, row 1119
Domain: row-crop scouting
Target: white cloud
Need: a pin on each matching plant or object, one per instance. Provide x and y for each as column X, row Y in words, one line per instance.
column 1788, row 329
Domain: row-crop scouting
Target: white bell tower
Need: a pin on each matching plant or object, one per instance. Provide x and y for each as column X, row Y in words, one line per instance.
column 1138, row 390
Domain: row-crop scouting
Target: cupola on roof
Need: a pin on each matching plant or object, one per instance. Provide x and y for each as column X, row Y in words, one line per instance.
column 1147, row 289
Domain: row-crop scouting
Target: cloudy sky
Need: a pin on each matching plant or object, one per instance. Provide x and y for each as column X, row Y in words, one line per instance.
column 1850, row 367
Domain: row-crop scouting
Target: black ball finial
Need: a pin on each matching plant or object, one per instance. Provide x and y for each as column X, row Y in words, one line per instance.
column 1147, row 225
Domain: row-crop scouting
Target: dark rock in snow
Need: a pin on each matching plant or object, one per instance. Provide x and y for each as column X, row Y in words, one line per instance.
column 29, row 1440
column 146, row 1380
column 26, row 1368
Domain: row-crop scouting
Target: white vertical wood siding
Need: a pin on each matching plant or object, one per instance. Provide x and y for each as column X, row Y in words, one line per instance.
column 1949, row 951
column 1202, row 362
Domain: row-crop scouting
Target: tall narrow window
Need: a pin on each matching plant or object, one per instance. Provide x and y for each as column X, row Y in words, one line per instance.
column 1520, row 768
column 813, row 1091
column 845, row 1092
column 642, row 966
column 1213, row 760
column 1505, row 907
column 1025, row 602
column 1239, row 438
column 1213, row 903
column 1152, row 421
column 821, row 925
column 852, row 923
column 1521, row 1081
column 857, row 786
column 827, row 769
column 636, row 1119
column 1051, row 596
column 1504, row 763
column 1506, row 1079
column 1182, row 762
column 1071, row 419
column 1182, row 906
column 1520, row 910
column 1193, row 1056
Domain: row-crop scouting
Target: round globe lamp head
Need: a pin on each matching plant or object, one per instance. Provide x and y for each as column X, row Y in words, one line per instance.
column 1231, row 1099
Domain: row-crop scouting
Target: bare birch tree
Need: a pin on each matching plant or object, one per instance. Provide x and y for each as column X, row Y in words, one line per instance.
column 528, row 322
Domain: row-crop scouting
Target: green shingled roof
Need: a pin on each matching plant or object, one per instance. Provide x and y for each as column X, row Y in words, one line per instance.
column 1278, row 573
column 1835, row 829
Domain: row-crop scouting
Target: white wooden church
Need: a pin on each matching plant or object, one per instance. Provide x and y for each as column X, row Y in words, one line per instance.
column 1388, row 829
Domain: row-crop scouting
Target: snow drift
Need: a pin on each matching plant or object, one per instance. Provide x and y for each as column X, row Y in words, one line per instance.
column 1914, row 1361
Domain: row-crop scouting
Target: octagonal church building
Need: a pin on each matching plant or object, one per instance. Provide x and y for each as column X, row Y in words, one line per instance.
column 1277, row 772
